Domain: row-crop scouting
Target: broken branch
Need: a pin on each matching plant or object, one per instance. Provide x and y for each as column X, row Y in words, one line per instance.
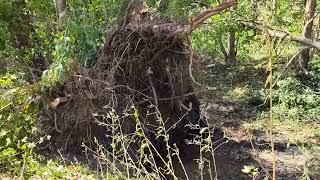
column 282, row 34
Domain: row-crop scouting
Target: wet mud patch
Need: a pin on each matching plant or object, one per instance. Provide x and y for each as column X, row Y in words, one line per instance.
column 230, row 157
column 237, row 147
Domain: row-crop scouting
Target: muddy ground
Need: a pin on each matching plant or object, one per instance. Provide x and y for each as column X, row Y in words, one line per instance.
column 236, row 144
column 236, row 148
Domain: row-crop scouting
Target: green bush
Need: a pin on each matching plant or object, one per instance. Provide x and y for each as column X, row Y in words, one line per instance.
column 17, row 119
column 294, row 101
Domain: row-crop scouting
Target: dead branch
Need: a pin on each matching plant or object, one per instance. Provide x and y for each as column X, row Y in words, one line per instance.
column 191, row 62
column 206, row 15
column 155, row 98
column 211, row 12
column 282, row 34
column 188, row 109
column 123, row 17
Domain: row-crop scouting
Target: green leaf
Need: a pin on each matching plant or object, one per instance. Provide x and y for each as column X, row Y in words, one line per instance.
column 3, row 133
column 8, row 141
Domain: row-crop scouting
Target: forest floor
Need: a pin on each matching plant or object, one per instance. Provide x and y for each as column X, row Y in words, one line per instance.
column 237, row 147
column 242, row 138
column 240, row 135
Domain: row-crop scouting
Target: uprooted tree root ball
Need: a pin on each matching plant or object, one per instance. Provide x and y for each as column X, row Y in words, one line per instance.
column 138, row 96
column 141, row 79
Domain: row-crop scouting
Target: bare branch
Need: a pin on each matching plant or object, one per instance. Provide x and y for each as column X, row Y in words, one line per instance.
column 206, row 15
column 283, row 34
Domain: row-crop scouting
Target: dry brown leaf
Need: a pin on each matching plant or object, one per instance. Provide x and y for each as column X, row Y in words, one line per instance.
column 54, row 104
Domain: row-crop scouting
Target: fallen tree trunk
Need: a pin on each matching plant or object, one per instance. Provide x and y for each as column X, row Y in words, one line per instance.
column 282, row 34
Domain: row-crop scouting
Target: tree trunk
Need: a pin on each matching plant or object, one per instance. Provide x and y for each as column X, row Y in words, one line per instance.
column 129, row 11
column 223, row 50
column 317, row 38
column 61, row 8
column 307, row 33
column 232, row 52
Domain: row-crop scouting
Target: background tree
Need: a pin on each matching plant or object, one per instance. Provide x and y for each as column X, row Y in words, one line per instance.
column 232, row 45
column 307, row 33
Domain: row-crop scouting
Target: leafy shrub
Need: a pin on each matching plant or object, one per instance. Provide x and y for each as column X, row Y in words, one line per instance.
column 17, row 117
column 80, row 41
column 294, row 101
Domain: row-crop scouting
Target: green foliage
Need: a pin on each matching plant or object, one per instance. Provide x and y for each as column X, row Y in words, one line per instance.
column 179, row 10
column 315, row 64
column 17, row 119
column 55, row 170
column 293, row 93
column 22, row 40
column 85, row 31
column 207, row 39
column 294, row 19
column 295, row 101
column 19, row 108
column 62, row 56
column 45, row 28
column 9, row 23
column 83, row 35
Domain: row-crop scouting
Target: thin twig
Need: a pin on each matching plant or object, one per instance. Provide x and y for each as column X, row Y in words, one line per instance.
column 155, row 98
column 55, row 123
column 191, row 62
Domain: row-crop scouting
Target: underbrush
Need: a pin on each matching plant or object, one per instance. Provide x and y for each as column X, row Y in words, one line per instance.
column 296, row 101
column 296, row 116
column 22, row 93
column 19, row 108
column 296, row 105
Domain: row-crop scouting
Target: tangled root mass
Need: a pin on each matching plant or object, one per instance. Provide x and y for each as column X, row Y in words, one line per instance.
column 141, row 79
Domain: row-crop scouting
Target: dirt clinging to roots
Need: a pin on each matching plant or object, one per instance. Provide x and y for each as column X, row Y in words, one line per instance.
column 142, row 75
